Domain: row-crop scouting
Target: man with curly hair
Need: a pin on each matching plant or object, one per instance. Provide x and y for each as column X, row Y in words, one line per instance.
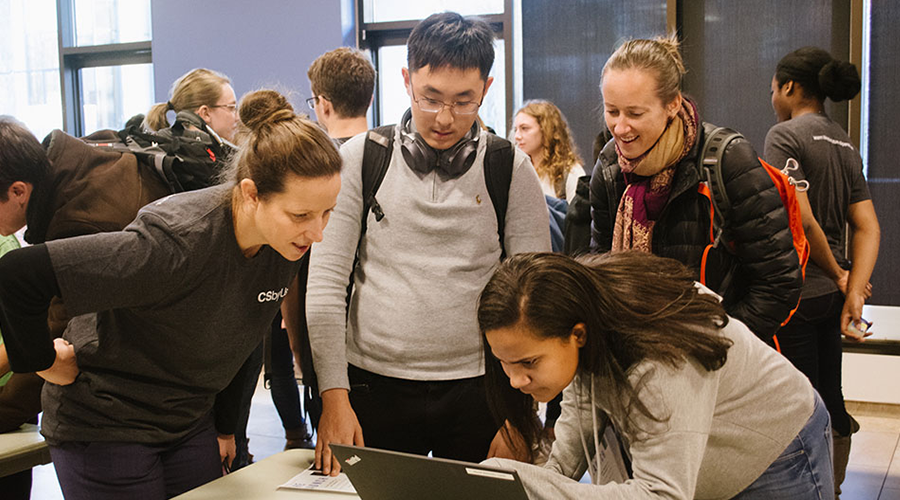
column 342, row 82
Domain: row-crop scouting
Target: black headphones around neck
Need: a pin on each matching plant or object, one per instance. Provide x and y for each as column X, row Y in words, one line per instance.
column 422, row 158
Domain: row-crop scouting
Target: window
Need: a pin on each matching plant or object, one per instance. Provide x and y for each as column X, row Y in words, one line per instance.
column 29, row 64
column 395, row 101
column 379, row 11
column 102, row 22
column 107, row 66
column 78, row 65
column 388, row 23
column 112, row 94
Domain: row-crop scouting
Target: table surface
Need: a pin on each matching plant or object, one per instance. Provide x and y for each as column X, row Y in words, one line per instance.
column 22, row 449
column 885, row 339
column 260, row 481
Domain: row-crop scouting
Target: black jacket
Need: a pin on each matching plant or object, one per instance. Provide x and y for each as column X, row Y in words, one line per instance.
column 758, row 274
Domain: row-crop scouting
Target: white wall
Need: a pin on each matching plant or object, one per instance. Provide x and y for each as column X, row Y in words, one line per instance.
column 872, row 377
column 264, row 43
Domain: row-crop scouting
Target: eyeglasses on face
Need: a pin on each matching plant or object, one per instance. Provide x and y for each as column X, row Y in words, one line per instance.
column 230, row 107
column 430, row 105
column 312, row 101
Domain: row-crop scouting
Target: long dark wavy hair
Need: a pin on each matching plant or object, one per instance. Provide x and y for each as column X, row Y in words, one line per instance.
column 635, row 307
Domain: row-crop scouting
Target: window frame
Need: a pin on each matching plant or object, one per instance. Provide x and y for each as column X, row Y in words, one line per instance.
column 371, row 36
column 72, row 59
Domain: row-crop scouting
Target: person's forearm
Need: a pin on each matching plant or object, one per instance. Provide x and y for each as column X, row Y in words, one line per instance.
column 290, row 313
column 864, row 242
column 27, row 285
column 4, row 360
column 863, row 254
column 329, row 352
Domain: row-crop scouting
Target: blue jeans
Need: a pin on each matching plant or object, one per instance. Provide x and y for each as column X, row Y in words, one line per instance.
column 804, row 469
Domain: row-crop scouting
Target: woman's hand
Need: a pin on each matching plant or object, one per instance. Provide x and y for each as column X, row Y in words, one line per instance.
column 65, row 368
column 500, row 448
column 843, row 281
column 227, row 451
column 852, row 313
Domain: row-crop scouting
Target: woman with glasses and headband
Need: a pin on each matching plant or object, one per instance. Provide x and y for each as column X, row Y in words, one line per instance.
column 205, row 94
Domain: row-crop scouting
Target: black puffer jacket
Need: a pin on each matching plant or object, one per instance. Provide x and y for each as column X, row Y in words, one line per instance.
column 760, row 277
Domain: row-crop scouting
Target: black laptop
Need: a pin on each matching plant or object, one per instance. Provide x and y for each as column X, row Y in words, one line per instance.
column 390, row 475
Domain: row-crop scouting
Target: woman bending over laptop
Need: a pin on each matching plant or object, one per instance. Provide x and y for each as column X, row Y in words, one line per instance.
column 166, row 311
column 704, row 408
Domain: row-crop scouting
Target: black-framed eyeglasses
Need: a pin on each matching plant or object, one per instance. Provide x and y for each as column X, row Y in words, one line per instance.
column 312, row 101
column 229, row 107
column 430, row 105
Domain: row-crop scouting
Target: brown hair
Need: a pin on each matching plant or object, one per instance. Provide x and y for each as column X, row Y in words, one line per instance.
column 346, row 77
column 659, row 55
column 556, row 139
column 277, row 142
column 194, row 89
column 635, row 307
column 23, row 159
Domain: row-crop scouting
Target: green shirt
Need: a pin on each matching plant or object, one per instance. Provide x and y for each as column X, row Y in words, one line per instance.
column 7, row 243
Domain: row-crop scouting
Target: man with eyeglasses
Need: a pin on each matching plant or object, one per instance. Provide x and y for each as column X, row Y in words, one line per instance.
column 410, row 338
column 342, row 82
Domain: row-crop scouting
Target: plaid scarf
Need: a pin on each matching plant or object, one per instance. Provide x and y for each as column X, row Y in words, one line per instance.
column 649, row 178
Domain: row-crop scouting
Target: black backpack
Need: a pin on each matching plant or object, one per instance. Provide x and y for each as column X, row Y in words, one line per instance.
column 184, row 159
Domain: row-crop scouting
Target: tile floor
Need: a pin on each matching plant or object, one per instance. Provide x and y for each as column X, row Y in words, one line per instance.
column 873, row 472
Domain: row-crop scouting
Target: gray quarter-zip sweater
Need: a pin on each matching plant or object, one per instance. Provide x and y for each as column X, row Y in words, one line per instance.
column 724, row 427
column 421, row 268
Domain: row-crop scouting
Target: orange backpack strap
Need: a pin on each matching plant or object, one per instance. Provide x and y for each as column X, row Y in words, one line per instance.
column 703, row 189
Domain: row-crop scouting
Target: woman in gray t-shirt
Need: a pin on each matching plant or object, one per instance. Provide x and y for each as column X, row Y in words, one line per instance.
column 835, row 288
column 166, row 311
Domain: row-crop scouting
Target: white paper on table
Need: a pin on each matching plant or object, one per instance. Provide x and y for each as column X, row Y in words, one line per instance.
column 311, row 479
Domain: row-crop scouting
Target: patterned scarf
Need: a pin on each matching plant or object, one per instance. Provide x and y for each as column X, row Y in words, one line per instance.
column 649, row 178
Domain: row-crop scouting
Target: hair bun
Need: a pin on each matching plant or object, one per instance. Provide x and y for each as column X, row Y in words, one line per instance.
column 839, row 80
column 261, row 108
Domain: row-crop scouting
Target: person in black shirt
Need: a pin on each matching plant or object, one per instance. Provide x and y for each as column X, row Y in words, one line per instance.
column 166, row 311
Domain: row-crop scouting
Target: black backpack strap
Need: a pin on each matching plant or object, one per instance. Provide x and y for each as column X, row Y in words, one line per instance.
column 715, row 142
column 498, row 166
column 377, row 152
column 376, row 159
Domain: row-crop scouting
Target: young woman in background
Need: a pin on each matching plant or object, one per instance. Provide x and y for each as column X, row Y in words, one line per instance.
column 835, row 288
column 206, row 94
column 541, row 131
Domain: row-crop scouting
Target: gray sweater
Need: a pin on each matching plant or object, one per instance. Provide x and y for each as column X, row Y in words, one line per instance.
column 421, row 268
column 724, row 429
